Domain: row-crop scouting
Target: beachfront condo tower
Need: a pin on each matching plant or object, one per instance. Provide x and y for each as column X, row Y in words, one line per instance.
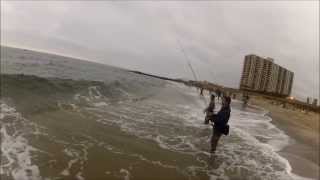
column 263, row 75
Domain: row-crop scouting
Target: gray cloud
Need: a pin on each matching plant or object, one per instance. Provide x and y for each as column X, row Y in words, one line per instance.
column 144, row 35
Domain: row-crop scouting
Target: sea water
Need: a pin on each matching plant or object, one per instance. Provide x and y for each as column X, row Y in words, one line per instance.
column 139, row 128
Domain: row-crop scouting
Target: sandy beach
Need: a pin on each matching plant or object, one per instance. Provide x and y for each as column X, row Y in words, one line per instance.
column 303, row 128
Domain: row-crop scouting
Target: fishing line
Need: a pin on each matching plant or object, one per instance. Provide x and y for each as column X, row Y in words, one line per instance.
column 186, row 57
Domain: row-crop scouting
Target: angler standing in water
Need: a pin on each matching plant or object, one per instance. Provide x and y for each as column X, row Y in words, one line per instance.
column 245, row 99
column 201, row 91
column 218, row 92
column 220, row 121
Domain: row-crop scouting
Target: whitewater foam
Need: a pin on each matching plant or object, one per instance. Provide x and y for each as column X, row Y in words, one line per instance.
column 16, row 152
column 256, row 128
column 125, row 173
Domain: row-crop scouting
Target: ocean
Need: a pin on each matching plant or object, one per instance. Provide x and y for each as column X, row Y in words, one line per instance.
column 64, row 118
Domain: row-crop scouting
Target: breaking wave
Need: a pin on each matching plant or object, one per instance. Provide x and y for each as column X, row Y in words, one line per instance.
column 16, row 152
column 58, row 122
column 250, row 151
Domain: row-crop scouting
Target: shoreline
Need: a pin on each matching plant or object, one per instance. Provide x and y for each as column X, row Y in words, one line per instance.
column 303, row 130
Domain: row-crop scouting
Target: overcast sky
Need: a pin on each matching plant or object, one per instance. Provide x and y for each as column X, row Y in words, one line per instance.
column 148, row 35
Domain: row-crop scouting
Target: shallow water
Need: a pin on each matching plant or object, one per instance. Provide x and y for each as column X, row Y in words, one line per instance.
column 140, row 128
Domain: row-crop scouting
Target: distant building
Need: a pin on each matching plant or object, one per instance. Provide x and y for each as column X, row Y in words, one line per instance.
column 315, row 102
column 263, row 75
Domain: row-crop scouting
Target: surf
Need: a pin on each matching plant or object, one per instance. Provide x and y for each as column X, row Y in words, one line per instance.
column 111, row 123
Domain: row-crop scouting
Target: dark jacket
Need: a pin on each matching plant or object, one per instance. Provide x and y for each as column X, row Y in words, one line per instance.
column 221, row 119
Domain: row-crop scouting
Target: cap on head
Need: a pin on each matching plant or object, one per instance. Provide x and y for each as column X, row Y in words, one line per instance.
column 227, row 99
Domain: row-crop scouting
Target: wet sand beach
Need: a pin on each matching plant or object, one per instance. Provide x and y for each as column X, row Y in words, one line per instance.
column 303, row 128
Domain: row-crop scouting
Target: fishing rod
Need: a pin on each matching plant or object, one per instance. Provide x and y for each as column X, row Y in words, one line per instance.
column 186, row 57
column 194, row 74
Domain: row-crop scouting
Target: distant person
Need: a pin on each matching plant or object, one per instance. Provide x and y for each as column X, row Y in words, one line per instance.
column 245, row 100
column 210, row 109
column 201, row 91
column 220, row 121
column 234, row 96
column 219, row 93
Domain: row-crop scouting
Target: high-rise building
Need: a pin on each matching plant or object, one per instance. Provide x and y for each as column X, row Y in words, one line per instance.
column 308, row 100
column 315, row 102
column 263, row 75
column 273, row 78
